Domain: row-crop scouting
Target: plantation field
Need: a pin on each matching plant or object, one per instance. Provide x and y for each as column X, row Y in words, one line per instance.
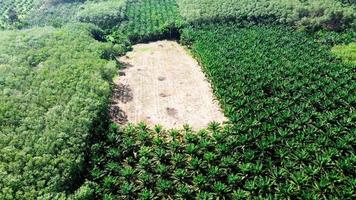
column 291, row 105
column 309, row 14
column 280, row 88
column 54, row 13
column 29, row 13
column 151, row 19
column 283, row 72
column 12, row 11
column 104, row 14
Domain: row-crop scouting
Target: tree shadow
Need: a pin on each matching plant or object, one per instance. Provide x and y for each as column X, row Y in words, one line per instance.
column 125, row 65
column 118, row 115
column 122, row 93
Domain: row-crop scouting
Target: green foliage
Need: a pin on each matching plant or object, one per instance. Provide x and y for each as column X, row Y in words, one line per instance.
column 286, row 94
column 290, row 102
column 105, row 14
column 121, row 41
column 54, row 13
column 310, row 14
column 332, row 38
column 53, row 85
column 12, row 12
column 148, row 165
column 261, row 75
column 346, row 52
column 352, row 2
column 85, row 192
column 151, row 20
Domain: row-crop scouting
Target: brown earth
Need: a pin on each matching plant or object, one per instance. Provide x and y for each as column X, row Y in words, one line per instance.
column 160, row 83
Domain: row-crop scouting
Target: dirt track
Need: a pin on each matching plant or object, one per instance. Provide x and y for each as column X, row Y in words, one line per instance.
column 161, row 84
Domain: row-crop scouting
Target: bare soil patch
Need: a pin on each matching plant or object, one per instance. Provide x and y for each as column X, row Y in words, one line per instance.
column 161, row 83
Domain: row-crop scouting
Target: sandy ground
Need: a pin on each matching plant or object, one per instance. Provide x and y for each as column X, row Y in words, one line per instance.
column 161, row 83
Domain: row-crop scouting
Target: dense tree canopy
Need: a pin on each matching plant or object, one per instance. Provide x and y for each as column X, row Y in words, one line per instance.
column 311, row 14
column 105, row 14
column 53, row 84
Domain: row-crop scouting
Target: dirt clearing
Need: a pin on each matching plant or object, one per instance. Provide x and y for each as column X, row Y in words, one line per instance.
column 161, row 83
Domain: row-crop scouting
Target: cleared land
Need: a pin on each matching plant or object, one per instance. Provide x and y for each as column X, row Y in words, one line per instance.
column 161, row 83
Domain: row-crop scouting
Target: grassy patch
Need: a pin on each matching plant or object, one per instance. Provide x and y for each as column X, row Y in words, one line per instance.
column 346, row 52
